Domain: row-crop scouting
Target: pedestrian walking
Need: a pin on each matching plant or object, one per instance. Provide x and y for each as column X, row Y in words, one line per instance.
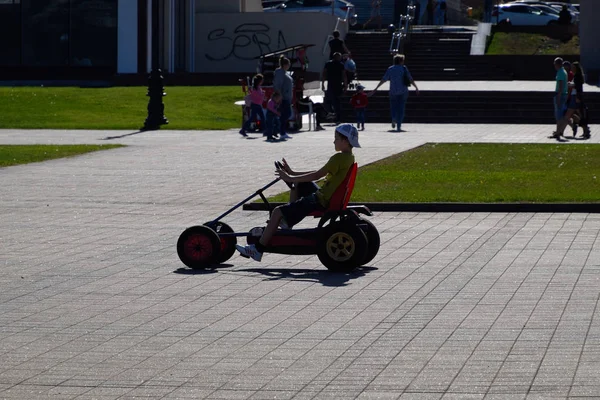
column 400, row 80
column 284, row 84
column 560, row 95
column 256, row 96
column 564, row 16
column 441, row 12
column 375, row 14
column 273, row 116
column 337, row 45
column 359, row 102
column 337, row 82
column 487, row 10
column 431, row 4
column 576, row 108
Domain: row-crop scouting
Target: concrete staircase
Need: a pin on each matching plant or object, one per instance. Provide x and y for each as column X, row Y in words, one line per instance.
column 371, row 52
column 430, row 56
column 441, row 56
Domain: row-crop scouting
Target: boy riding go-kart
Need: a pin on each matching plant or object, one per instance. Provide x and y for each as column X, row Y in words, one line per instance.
column 342, row 240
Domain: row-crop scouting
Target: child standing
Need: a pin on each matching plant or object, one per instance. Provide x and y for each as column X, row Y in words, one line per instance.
column 334, row 171
column 273, row 115
column 257, row 96
column 360, row 101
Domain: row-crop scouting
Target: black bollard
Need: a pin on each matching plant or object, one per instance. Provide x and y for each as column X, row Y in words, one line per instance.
column 156, row 90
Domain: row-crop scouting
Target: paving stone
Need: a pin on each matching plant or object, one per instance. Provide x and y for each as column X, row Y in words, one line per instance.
column 94, row 302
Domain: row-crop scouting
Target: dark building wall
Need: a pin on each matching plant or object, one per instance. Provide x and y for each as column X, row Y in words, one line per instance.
column 53, row 33
column 588, row 34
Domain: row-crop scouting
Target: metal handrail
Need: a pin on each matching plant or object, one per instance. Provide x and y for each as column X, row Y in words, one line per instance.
column 404, row 29
column 337, row 24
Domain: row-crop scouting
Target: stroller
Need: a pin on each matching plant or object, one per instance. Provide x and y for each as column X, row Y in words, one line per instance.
column 350, row 70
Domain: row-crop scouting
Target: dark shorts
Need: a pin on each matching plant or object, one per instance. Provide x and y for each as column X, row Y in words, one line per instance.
column 308, row 202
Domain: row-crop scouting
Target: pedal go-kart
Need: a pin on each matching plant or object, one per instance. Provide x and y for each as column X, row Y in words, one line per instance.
column 342, row 240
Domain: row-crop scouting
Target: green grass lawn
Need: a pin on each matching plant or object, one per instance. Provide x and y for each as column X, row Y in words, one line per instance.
column 503, row 43
column 531, row 173
column 186, row 107
column 23, row 154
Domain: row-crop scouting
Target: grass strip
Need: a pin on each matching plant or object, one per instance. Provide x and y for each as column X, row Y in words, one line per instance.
column 24, row 154
column 486, row 173
column 186, row 107
column 518, row 43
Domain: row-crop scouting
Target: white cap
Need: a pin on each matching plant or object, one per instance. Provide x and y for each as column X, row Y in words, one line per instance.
column 350, row 132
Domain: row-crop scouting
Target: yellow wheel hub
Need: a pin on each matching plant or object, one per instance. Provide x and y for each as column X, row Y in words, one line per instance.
column 340, row 246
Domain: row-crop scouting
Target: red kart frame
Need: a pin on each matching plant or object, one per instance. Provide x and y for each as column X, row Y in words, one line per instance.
column 342, row 240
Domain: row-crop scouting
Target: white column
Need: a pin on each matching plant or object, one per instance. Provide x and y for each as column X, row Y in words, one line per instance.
column 127, row 37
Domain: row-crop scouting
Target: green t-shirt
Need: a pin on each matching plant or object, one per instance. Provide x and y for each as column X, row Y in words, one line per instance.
column 337, row 167
column 561, row 75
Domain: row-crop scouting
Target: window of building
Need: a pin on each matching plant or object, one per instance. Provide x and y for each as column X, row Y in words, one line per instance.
column 10, row 32
column 58, row 33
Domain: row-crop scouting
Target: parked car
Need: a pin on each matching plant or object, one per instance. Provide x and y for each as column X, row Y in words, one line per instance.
column 522, row 14
column 552, row 7
column 341, row 8
column 271, row 3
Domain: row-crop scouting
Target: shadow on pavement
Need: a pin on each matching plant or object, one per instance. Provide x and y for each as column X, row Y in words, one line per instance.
column 203, row 271
column 324, row 277
column 122, row 136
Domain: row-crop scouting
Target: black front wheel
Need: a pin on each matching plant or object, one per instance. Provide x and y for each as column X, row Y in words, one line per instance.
column 199, row 247
column 227, row 242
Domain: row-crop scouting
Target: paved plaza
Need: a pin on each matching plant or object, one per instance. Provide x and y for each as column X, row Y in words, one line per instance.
column 95, row 304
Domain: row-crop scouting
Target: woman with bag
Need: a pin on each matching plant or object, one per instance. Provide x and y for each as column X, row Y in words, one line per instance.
column 400, row 80
column 581, row 114
column 575, row 106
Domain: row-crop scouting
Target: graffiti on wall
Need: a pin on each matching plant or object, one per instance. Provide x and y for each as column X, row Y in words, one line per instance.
column 244, row 42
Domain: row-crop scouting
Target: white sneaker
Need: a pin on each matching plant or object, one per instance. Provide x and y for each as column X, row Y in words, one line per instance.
column 249, row 252
column 286, row 136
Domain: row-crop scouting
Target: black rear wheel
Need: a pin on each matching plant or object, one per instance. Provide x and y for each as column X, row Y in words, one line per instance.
column 343, row 247
column 373, row 239
column 199, row 247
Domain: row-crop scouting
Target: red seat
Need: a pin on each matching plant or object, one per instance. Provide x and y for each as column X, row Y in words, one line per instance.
column 341, row 197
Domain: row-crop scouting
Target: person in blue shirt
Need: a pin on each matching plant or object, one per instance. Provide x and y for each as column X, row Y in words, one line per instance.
column 400, row 79
column 560, row 94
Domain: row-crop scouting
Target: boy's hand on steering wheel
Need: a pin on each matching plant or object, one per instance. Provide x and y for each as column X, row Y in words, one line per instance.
column 286, row 167
column 282, row 175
